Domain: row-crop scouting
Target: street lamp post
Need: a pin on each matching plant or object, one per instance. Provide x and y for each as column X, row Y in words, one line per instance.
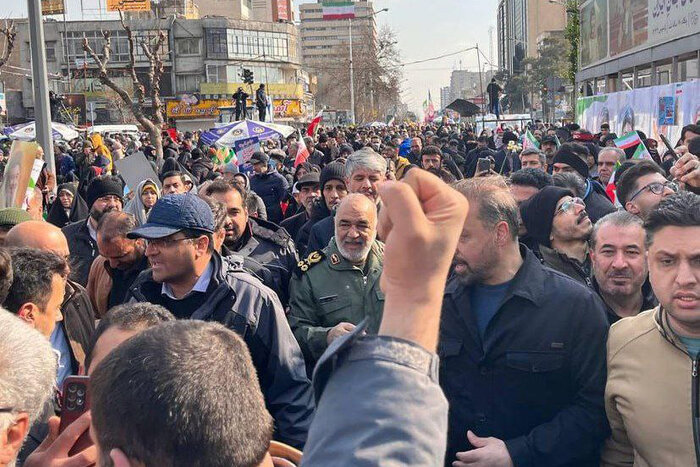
column 352, row 67
column 40, row 82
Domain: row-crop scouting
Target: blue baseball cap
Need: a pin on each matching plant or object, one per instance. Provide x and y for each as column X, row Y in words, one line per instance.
column 173, row 213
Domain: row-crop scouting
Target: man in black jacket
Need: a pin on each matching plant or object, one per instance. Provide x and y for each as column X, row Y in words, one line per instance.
column 308, row 186
column 263, row 241
column 522, row 348
column 192, row 281
column 104, row 194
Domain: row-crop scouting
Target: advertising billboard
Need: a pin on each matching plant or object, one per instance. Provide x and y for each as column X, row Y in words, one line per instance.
column 613, row 28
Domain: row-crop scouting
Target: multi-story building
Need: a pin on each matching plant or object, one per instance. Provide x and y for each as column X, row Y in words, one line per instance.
column 255, row 10
column 519, row 24
column 466, row 84
column 203, row 59
column 445, row 97
column 325, row 46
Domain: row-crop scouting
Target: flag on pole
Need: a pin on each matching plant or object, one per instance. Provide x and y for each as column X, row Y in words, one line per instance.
column 529, row 141
column 556, row 140
column 314, row 123
column 641, row 152
column 302, row 152
column 338, row 10
column 429, row 109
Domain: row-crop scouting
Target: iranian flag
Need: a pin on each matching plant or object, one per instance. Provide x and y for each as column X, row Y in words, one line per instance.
column 529, row 141
column 302, row 152
column 642, row 153
column 314, row 124
column 611, row 187
column 628, row 140
column 338, row 10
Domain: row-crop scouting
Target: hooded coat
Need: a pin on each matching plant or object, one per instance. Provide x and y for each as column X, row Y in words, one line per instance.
column 135, row 207
column 78, row 209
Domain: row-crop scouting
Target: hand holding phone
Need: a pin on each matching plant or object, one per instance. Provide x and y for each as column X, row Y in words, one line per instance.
column 483, row 165
column 75, row 401
column 55, row 448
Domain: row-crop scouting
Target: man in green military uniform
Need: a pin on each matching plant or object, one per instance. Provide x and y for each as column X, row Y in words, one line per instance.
column 336, row 288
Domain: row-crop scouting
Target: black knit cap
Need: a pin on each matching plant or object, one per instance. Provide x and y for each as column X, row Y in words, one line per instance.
column 333, row 171
column 537, row 212
column 570, row 154
column 104, row 186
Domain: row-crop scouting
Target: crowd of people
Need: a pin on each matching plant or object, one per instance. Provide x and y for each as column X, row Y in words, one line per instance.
column 409, row 294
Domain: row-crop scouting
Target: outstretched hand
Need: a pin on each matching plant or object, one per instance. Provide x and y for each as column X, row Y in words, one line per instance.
column 420, row 222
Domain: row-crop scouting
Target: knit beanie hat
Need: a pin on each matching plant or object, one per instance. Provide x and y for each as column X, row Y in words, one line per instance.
column 537, row 212
column 10, row 217
column 567, row 154
column 333, row 171
column 104, row 186
column 509, row 136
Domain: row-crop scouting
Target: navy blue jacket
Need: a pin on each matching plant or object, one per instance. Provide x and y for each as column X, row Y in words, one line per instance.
column 272, row 188
column 537, row 379
column 321, row 234
column 243, row 304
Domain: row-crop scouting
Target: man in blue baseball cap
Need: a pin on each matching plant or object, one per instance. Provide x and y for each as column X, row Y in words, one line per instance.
column 192, row 281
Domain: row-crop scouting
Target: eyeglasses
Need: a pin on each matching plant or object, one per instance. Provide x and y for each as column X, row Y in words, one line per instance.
column 569, row 204
column 165, row 242
column 657, row 188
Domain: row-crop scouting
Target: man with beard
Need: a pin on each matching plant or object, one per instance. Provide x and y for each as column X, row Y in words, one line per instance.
column 523, row 388
column 365, row 171
column 560, row 225
column 308, row 186
column 619, row 258
column 104, row 194
column 549, row 148
column 334, row 289
column 263, row 241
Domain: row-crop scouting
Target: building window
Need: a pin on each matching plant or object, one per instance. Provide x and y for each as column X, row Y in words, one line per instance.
column 216, row 73
column 216, row 43
column 50, row 51
column 150, row 37
column 120, row 45
column 188, row 83
column 189, row 46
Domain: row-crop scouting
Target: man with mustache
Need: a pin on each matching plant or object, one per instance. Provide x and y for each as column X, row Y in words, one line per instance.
column 336, row 288
column 522, row 347
column 104, row 194
column 255, row 238
column 651, row 394
column 619, row 258
column 560, row 225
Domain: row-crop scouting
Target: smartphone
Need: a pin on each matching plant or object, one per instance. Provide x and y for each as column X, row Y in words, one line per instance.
column 483, row 165
column 75, row 401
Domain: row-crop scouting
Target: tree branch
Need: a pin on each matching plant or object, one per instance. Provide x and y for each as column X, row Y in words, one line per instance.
column 10, row 34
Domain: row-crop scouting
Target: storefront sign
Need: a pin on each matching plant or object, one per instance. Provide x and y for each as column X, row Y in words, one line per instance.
column 52, row 7
column 203, row 108
column 128, row 5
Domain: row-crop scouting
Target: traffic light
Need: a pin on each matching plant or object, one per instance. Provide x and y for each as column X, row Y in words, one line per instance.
column 248, row 76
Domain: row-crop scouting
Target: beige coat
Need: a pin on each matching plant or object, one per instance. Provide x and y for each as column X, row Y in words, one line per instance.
column 648, row 396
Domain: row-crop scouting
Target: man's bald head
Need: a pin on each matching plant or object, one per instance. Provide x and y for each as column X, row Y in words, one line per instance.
column 355, row 227
column 40, row 235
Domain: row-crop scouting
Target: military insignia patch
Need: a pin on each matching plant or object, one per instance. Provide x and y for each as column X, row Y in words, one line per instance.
column 304, row 265
column 335, row 259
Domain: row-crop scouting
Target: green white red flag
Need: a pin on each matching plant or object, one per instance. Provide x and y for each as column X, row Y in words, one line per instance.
column 529, row 141
column 338, row 10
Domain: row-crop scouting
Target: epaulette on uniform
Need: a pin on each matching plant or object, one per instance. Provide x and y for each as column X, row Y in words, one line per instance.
column 304, row 265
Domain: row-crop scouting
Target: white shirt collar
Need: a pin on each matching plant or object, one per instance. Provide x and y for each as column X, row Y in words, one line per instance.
column 201, row 285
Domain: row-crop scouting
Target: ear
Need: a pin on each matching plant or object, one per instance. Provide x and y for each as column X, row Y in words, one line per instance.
column 11, row 440
column 631, row 208
column 28, row 312
column 502, row 233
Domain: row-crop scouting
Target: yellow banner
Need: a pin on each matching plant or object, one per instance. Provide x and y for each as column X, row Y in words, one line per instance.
column 276, row 91
column 52, row 7
column 287, row 108
column 205, row 108
column 129, row 5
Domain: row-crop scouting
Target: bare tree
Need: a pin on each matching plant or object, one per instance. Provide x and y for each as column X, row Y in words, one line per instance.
column 153, row 52
column 10, row 34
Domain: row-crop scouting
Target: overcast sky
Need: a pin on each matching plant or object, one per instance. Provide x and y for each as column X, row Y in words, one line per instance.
column 424, row 29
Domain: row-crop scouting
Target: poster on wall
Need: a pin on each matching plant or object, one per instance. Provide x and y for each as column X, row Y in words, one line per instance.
column 671, row 19
column 594, row 31
column 641, row 109
column 628, row 24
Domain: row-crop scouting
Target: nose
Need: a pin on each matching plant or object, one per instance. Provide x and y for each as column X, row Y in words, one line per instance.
column 353, row 232
column 578, row 209
column 686, row 275
column 667, row 191
column 619, row 261
column 150, row 250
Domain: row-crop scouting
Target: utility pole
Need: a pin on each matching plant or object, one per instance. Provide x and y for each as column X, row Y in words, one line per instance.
column 352, row 77
column 40, row 81
column 481, row 86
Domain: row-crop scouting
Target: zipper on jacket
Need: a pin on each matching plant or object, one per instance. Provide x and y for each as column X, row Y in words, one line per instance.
column 696, row 409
